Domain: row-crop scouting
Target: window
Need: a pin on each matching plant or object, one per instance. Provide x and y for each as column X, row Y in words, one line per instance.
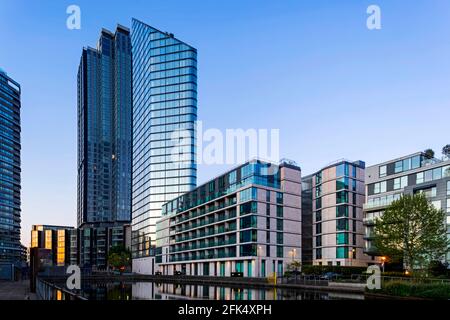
column 428, row 175
column 248, row 222
column 267, row 250
column 268, row 195
column 448, row 187
column 319, row 178
column 382, row 171
column 342, row 211
column 318, row 215
column 318, row 191
column 268, row 223
column 415, row 162
column 437, row 204
column 249, row 207
column 437, row 173
column 380, row 187
column 279, row 225
column 407, row 164
column 342, row 183
column 448, row 205
column 279, row 197
column 342, row 253
column 319, row 203
column 420, row 178
column 279, row 238
column 398, row 167
column 279, row 252
column 248, row 250
column 342, row 225
column 248, row 194
column 280, row 211
column 342, row 197
column 268, row 209
column 248, row 236
column 446, row 171
column 400, row 183
column 318, row 228
column 232, row 177
column 318, row 253
column 342, row 170
column 341, row 238
column 318, row 241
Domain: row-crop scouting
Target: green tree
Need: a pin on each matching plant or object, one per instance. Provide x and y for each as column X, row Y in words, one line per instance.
column 446, row 150
column 413, row 230
column 119, row 257
column 294, row 266
column 429, row 153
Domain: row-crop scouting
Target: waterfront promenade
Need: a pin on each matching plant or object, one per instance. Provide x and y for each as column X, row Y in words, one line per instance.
column 16, row 290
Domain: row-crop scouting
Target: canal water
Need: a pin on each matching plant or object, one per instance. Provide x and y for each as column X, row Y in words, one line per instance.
column 167, row 291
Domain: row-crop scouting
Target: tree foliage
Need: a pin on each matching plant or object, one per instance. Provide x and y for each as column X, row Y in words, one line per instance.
column 413, row 230
column 429, row 153
column 446, row 150
column 119, row 257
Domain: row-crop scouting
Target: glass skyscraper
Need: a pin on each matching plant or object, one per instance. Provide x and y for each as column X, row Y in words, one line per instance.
column 104, row 130
column 10, row 247
column 164, row 115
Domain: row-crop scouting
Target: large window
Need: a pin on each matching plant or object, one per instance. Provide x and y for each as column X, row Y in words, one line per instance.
column 342, row 183
column 318, row 228
column 380, row 187
column 342, row 197
column 248, row 222
column 248, row 236
column 342, row 224
column 342, row 211
column 249, row 207
column 448, row 206
column 341, row 238
column 382, row 171
column 415, row 162
column 279, row 197
column 318, row 215
column 342, row 170
column 400, row 183
column 248, row 250
column 398, row 167
column 342, row 253
column 248, row 194
column 448, row 188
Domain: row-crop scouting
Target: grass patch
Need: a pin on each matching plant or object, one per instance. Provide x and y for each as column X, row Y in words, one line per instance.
column 416, row 289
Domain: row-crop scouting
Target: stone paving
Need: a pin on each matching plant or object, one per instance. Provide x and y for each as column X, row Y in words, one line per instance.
column 16, row 290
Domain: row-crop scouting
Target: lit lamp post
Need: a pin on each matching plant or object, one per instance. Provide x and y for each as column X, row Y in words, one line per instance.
column 383, row 260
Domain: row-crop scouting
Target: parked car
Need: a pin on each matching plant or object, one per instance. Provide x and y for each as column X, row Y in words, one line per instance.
column 330, row 276
column 158, row 273
column 237, row 274
column 178, row 273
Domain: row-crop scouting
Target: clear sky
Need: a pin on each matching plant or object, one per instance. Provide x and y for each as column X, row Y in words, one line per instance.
column 310, row 68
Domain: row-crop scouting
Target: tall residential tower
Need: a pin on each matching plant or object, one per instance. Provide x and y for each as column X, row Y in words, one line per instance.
column 104, row 139
column 164, row 115
column 10, row 248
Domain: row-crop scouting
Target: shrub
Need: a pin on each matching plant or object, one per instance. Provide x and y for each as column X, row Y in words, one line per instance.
column 416, row 289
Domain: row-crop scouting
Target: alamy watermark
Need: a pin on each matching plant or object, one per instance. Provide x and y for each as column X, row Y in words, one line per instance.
column 374, row 20
column 73, row 21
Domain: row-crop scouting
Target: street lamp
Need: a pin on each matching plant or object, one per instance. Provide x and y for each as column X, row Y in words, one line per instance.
column 383, row 260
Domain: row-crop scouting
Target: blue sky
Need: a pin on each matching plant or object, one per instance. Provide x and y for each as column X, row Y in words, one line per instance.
column 311, row 68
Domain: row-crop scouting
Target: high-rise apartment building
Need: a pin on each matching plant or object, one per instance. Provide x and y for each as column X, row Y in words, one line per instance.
column 10, row 173
column 104, row 130
column 247, row 220
column 104, row 146
column 164, row 115
column 411, row 174
column 337, row 196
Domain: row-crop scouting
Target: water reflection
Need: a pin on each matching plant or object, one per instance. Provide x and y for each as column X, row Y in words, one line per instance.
column 167, row 291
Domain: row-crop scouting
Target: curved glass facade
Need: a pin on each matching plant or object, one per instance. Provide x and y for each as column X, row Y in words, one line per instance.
column 164, row 115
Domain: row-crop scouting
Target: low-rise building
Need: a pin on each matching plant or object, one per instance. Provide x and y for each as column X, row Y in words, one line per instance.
column 387, row 181
column 247, row 220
